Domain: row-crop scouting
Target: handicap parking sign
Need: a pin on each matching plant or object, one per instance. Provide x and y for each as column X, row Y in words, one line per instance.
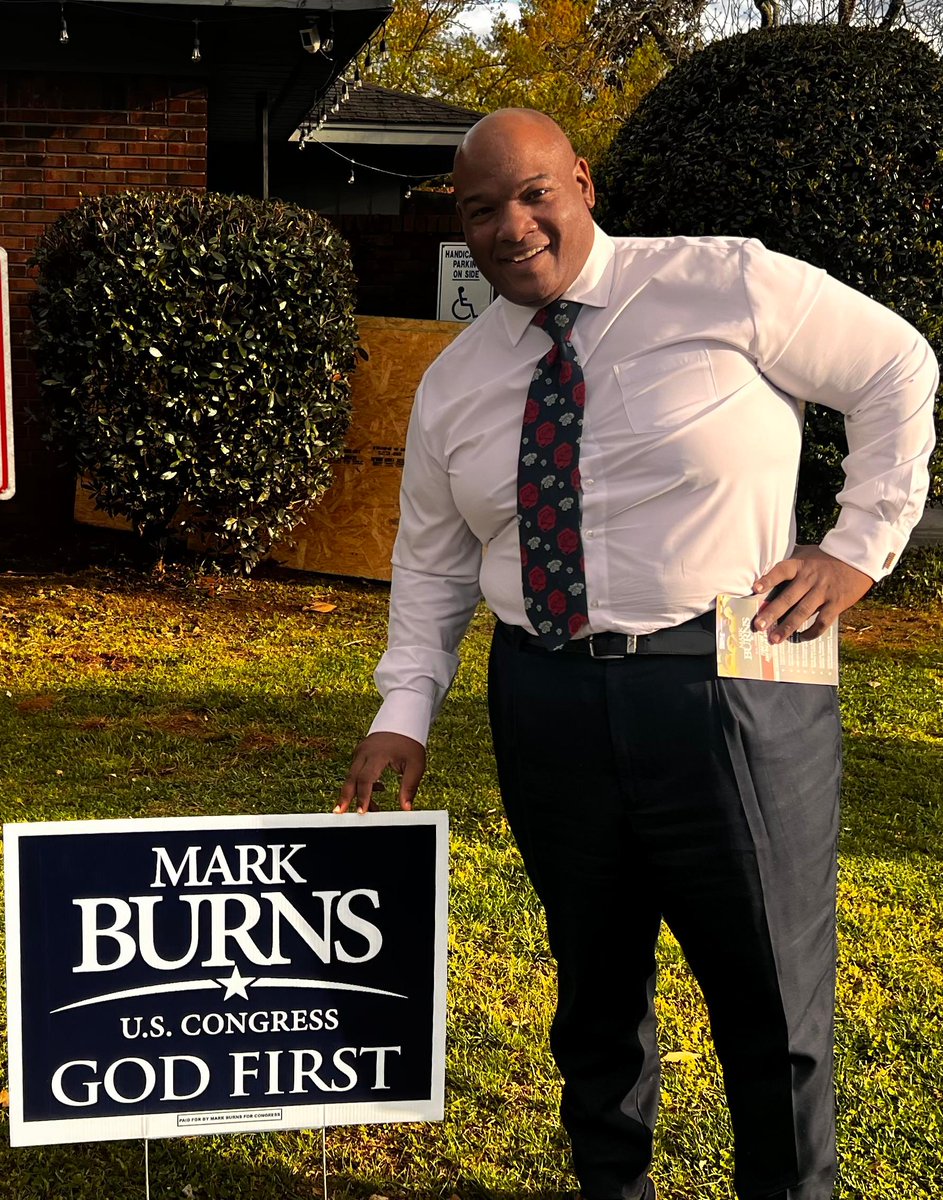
column 464, row 293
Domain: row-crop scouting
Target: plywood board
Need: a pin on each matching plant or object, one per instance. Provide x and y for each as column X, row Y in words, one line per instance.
column 351, row 530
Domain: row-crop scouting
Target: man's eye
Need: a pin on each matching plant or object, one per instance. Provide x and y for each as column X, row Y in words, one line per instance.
column 537, row 193
column 478, row 213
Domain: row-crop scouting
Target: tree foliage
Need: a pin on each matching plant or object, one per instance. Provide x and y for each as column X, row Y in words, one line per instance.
column 551, row 59
column 194, row 353
column 675, row 27
column 821, row 141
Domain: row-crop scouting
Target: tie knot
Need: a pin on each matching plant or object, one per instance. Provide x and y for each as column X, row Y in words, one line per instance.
column 557, row 318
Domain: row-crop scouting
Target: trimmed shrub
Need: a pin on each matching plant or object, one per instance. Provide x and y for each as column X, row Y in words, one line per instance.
column 194, row 353
column 823, row 142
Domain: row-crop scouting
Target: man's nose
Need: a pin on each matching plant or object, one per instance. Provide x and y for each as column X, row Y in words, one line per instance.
column 515, row 223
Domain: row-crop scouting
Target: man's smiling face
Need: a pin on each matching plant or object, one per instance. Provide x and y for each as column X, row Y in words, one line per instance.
column 524, row 199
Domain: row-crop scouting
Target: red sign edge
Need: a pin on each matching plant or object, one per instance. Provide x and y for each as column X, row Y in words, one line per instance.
column 7, row 476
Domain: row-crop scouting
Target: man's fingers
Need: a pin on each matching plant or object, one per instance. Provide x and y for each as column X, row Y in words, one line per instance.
column 780, row 573
column 409, row 784
column 819, row 586
column 372, row 757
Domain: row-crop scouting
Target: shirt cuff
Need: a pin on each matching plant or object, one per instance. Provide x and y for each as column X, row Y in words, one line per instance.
column 405, row 711
column 865, row 541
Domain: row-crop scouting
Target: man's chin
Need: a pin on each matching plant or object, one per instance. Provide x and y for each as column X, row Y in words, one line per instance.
column 530, row 294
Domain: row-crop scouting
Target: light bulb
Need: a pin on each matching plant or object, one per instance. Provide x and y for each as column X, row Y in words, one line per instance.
column 351, row 180
column 63, row 27
column 196, row 56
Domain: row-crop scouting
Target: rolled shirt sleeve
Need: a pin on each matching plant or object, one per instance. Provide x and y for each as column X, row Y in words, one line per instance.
column 825, row 343
column 433, row 596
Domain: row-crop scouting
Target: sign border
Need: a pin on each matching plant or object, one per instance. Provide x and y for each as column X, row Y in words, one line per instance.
column 7, row 472
column 443, row 246
column 147, row 1126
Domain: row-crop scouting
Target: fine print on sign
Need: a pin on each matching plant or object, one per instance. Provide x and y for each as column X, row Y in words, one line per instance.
column 7, row 480
column 205, row 975
column 464, row 293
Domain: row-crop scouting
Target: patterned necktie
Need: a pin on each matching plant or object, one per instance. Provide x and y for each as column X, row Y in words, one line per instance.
column 548, row 485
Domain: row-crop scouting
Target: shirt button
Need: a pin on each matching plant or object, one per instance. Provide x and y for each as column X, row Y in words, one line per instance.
column 594, row 604
column 587, row 482
column 589, row 533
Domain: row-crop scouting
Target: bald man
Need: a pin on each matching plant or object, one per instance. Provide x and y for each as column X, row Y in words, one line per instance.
column 612, row 444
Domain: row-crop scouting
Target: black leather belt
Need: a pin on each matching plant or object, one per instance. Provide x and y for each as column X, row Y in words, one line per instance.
column 693, row 637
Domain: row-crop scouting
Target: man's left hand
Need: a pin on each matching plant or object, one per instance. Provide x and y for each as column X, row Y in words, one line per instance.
column 816, row 583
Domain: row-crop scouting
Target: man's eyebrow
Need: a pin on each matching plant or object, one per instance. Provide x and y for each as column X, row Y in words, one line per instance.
column 477, row 196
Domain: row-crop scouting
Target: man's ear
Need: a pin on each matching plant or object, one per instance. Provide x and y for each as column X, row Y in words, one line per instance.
column 584, row 181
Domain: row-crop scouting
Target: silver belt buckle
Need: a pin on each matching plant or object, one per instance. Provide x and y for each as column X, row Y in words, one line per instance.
column 631, row 646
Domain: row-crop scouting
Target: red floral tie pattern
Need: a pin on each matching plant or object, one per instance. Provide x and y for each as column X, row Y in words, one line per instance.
column 548, row 485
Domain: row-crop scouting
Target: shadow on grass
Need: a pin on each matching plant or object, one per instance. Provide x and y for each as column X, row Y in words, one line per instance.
column 141, row 749
column 195, row 1168
column 892, row 798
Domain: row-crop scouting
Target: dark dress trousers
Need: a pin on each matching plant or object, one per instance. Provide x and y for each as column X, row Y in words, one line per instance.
column 645, row 789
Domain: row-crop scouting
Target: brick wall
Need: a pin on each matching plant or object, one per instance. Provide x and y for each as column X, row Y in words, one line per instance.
column 63, row 137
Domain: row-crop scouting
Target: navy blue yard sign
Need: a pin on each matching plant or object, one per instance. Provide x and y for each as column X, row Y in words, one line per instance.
column 172, row 977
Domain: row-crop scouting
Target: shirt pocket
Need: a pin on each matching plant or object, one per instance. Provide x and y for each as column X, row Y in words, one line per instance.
column 664, row 390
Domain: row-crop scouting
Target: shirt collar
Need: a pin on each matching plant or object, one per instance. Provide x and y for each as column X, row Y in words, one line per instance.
column 592, row 286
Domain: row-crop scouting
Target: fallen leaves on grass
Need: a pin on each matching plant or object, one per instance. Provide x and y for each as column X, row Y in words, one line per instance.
column 34, row 704
column 681, row 1056
column 259, row 740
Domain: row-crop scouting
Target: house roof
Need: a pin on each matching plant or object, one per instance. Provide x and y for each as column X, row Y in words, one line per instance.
column 250, row 50
column 381, row 116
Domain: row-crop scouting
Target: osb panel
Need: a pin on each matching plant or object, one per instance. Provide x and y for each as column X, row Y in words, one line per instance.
column 86, row 513
column 351, row 531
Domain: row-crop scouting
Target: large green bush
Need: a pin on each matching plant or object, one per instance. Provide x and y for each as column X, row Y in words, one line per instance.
column 822, row 141
column 194, row 352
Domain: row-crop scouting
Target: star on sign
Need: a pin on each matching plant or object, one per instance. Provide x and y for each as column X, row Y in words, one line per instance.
column 236, row 984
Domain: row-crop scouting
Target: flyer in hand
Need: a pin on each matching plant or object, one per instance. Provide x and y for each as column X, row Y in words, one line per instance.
column 744, row 653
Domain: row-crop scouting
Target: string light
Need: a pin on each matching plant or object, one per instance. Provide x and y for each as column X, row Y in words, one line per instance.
column 368, row 61
column 381, row 170
column 409, row 192
column 351, row 180
column 383, row 50
column 327, row 43
column 196, row 55
column 63, row 27
column 358, row 78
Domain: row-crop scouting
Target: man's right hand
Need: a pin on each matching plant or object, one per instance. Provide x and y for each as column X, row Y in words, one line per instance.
column 375, row 753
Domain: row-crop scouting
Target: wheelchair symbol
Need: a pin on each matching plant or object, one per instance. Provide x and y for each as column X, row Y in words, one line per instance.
column 462, row 309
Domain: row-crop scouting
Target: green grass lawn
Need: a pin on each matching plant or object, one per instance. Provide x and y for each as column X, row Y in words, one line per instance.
column 124, row 700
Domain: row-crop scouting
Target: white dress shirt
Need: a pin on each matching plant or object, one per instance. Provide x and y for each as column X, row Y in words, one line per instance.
column 696, row 354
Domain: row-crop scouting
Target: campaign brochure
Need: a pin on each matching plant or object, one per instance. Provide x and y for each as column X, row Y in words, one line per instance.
column 745, row 653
